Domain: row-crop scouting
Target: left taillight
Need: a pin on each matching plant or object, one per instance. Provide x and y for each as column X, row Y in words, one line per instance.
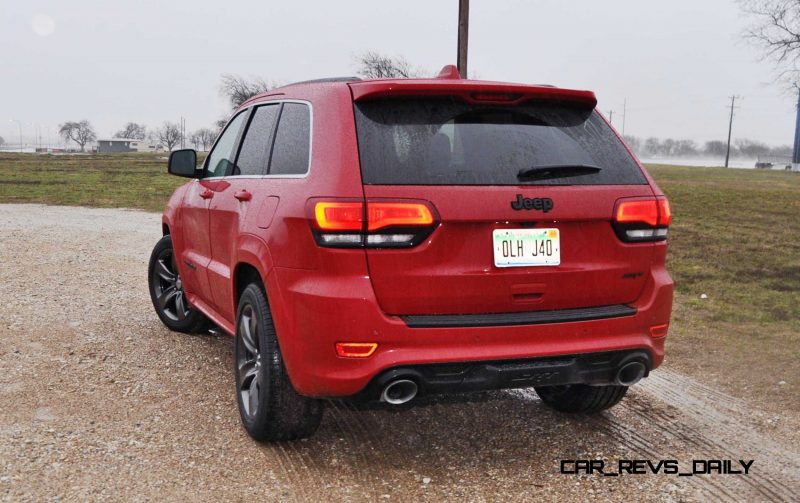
column 637, row 220
column 374, row 223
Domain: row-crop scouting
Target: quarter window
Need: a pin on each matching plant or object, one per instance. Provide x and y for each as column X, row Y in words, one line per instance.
column 292, row 141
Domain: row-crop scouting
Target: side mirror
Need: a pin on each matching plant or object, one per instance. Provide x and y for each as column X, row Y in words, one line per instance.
column 183, row 163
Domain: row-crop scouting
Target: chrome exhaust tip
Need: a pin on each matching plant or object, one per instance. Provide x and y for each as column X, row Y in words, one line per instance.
column 630, row 373
column 399, row 392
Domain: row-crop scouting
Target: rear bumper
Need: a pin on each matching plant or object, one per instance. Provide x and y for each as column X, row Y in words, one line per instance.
column 585, row 368
column 313, row 311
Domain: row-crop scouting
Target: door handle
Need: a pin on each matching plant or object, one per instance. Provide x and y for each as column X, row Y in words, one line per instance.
column 243, row 195
column 207, row 194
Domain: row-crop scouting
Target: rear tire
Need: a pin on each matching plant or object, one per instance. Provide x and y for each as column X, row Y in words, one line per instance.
column 581, row 398
column 166, row 292
column 270, row 408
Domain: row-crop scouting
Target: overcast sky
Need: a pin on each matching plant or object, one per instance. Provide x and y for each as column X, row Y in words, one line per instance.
column 111, row 61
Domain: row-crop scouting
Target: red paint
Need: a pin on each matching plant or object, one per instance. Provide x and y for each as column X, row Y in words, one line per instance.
column 321, row 296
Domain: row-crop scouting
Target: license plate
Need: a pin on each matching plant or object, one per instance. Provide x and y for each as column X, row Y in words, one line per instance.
column 526, row 247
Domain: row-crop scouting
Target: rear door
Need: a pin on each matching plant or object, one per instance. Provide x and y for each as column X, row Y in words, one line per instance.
column 468, row 159
column 195, row 211
column 236, row 196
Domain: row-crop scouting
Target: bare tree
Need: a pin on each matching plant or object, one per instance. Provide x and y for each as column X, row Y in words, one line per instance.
column 169, row 135
column 372, row 65
column 751, row 148
column 2, row 141
column 715, row 147
column 634, row 142
column 205, row 138
column 79, row 132
column 776, row 30
column 133, row 131
column 194, row 139
column 652, row 146
column 239, row 89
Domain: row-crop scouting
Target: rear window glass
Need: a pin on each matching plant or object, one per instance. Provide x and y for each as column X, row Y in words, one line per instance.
column 450, row 142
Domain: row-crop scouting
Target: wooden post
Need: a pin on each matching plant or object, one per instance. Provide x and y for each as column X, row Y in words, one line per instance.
column 463, row 36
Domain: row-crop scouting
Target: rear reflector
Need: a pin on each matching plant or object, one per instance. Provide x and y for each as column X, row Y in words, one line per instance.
column 659, row 330
column 375, row 224
column 356, row 349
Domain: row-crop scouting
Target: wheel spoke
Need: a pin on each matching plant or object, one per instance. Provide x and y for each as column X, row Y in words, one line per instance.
column 253, row 396
column 248, row 335
column 247, row 372
column 164, row 272
column 166, row 296
column 180, row 306
column 254, row 330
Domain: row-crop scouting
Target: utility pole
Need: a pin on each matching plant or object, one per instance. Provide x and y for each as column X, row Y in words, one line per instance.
column 463, row 36
column 183, row 132
column 611, row 116
column 730, row 128
column 796, row 151
column 624, row 113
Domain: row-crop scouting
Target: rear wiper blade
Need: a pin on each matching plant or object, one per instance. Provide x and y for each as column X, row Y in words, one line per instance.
column 545, row 172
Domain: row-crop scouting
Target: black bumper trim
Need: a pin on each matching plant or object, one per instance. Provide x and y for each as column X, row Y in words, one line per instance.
column 525, row 318
column 584, row 368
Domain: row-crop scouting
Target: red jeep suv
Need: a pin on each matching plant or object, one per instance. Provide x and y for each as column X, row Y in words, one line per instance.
column 383, row 239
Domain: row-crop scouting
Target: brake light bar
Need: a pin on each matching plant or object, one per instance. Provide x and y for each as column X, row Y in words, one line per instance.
column 637, row 220
column 376, row 223
column 468, row 90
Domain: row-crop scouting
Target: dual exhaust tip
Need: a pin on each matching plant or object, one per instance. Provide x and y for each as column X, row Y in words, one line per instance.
column 403, row 390
column 630, row 373
column 399, row 391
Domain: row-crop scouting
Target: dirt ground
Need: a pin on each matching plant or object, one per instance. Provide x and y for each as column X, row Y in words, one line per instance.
column 98, row 401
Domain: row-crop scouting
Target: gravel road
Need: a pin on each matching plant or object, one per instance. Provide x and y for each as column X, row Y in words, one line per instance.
column 98, row 401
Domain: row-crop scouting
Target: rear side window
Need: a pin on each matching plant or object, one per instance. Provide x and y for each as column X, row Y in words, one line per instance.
column 290, row 153
column 254, row 154
column 451, row 142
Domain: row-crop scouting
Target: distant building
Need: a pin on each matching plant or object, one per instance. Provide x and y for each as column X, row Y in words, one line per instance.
column 114, row 145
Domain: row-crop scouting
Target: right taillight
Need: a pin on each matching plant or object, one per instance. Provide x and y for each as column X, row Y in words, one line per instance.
column 376, row 223
column 637, row 220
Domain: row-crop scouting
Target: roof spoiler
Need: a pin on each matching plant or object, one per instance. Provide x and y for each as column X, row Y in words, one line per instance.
column 448, row 83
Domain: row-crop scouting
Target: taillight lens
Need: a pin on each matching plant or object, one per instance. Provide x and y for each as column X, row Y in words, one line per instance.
column 376, row 223
column 389, row 214
column 637, row 220
column 339, row 215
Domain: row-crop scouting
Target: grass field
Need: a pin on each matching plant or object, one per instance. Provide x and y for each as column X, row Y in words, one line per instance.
column 735, row 238
column 110, row 180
